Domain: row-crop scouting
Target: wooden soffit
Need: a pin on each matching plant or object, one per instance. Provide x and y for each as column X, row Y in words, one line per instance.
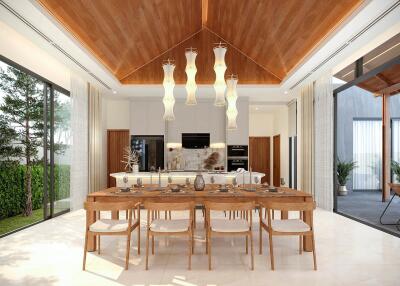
column 389, row 77
column 267, row 39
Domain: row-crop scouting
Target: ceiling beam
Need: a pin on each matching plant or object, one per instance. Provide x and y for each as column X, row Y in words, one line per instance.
column 244, row 54
column 384, row 79
column 204, row 12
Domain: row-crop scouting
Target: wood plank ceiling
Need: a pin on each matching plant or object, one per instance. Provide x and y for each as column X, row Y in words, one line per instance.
column 266, row 39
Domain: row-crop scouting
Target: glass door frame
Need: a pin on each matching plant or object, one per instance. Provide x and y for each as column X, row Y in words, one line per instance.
column 48, row 106
column 360, row 77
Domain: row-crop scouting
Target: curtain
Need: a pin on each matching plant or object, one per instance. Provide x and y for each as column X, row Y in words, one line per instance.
column 95, row 139
column 307, row 137
column 367, row 153
column 396, row 142
column 323, row 142
column 79, row 130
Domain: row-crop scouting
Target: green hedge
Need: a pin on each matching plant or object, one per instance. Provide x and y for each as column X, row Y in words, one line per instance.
column 12, row 187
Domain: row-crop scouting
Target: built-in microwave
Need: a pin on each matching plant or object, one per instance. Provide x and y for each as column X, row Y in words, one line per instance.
column 237, row 151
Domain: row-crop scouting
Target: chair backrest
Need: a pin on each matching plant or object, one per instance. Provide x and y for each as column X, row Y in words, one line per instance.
column 159, row 206
column 395, row 188
column 229, row 206
column 109, row 206
column 285, row 206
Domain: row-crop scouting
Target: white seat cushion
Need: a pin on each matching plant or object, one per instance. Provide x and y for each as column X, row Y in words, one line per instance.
column 174, row 225
column 288, row 225
column 109, row 225
column 224, row 225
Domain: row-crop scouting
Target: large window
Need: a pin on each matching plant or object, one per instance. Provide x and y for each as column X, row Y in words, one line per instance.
column 367, row 151
column 35, row 144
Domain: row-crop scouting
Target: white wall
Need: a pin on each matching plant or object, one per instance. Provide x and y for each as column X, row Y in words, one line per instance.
column 201, row 118
column 118, row 114
column 22, row 51
column 261, row 124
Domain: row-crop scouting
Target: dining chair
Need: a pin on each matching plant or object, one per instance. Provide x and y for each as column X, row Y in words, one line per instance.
column 169, row 227
column 223, row 226
column 112, row 226
column 287, row 226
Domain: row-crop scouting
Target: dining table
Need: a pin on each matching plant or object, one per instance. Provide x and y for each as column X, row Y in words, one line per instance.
column 211, row 192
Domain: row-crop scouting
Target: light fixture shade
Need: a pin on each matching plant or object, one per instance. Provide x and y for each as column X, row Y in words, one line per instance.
column 169, row 84
column 191, row 71
column 219, row 68
column 231, row 97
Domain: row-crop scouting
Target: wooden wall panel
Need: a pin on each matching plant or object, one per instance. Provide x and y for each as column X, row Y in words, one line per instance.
column 260, row 156
column 117, row 140
column 276, row 164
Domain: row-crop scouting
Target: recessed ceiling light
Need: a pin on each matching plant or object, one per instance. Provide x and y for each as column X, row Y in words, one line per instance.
column 256, row 108
column 114, row 91
column 286, row 92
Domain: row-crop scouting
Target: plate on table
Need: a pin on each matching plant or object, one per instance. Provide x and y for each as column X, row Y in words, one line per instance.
column 272, row 189
column 224, row 190
column 124, row 190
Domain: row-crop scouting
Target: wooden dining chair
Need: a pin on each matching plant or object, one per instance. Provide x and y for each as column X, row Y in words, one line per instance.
column 112, row 226
column 170, row 227
column 287, row 226
column 223, row 227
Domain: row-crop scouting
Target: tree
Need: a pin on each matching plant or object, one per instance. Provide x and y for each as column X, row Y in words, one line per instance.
column 21, row 120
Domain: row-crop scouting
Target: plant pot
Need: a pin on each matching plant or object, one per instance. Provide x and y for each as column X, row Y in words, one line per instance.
column 135, row 169
column 342, row 191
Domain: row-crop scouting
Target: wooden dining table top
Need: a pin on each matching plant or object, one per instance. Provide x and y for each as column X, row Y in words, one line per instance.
column 210, row 192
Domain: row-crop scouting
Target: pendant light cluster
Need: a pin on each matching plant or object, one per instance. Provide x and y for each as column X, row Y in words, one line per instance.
column 220, row 85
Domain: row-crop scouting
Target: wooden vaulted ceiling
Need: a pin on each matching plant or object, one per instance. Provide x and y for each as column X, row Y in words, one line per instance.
column 266, row 38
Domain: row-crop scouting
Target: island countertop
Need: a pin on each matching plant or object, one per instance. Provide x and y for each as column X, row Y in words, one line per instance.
column 179, row 177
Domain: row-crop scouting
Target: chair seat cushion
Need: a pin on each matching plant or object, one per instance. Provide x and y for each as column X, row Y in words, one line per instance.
column 224, row 225
column 288, row 225
column 174, row 225
column 109, row 225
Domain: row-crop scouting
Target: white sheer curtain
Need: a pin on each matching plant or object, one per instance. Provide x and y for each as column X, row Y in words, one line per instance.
column 79, row 157
column 323, row 142
column 95, row 139
column 367, row 153
column 307, row 138
column 396, row 141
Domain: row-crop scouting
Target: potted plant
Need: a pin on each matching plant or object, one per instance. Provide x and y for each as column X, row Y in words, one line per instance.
column 131, row 160
column 343, row 171
column 396, row 170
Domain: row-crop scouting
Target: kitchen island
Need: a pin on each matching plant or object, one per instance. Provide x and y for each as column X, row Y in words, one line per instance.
column 179, row 177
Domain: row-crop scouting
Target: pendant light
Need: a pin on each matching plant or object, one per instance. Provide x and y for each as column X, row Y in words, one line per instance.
column 231, row 97
column 219, row 68
column 169, row 84
column 191, row 71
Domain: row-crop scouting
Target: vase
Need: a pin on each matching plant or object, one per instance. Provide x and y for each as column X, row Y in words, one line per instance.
column 199, row 183
column 342, row 191
column 135, row 169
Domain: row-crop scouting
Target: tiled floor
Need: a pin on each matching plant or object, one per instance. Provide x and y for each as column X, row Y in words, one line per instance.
column 368, row 206
column 348, row 253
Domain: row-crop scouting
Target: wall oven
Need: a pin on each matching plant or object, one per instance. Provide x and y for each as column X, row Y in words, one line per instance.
column 237, row 157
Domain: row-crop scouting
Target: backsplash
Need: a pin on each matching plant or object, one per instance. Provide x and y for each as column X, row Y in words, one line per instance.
column 195, row 159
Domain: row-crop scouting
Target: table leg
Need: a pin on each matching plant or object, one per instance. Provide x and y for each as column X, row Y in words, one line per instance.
column 91, row 218
column 307, row 240
column 284, row 214
column 115, row 215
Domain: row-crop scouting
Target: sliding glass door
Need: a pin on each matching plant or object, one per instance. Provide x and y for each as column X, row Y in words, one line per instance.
column 35, row 148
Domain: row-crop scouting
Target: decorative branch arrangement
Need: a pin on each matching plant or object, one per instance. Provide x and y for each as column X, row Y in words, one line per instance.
column 131, row 158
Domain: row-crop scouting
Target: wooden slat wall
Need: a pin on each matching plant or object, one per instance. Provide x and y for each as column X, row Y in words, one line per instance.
column 260, row 156
column 117, row 140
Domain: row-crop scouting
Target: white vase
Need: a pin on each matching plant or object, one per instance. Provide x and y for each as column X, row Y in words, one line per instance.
column 135, row 169
column 342, row 191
